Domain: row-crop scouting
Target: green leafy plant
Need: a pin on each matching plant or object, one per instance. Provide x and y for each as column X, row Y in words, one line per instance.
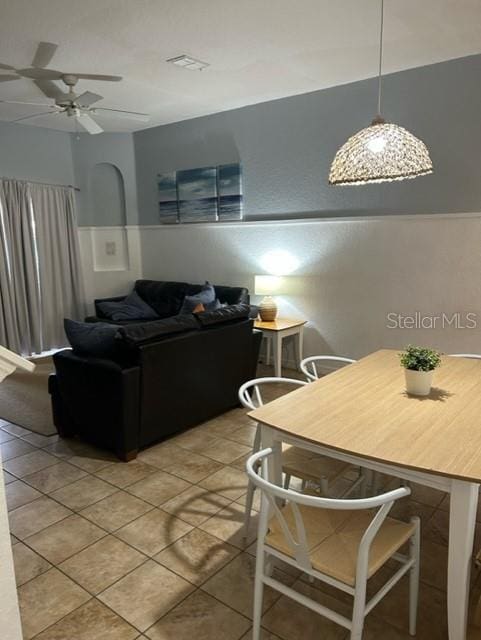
column 420, row 358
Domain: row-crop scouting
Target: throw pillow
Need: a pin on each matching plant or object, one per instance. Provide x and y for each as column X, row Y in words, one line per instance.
column 98, row 339
column 131, row 307
column 205, row 296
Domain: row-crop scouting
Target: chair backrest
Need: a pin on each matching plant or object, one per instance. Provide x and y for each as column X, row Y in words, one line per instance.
column 250, row 394
column 258, row 472
column 473, row 356
column 309, row 365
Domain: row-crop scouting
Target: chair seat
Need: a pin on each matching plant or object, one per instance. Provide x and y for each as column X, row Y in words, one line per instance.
column 333, row 538
column 305, row 464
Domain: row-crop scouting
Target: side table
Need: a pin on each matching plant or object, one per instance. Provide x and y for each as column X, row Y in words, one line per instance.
column 275, row 332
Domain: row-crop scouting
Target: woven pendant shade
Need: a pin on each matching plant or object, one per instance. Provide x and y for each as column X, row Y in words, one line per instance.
column 381, row 152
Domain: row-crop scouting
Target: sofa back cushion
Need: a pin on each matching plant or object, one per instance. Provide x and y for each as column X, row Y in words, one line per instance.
column 230, row 313
column 132, row 307
column 138, row 334
column 165, row 298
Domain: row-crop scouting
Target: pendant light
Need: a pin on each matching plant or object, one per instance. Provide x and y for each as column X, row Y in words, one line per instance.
column 381, row 152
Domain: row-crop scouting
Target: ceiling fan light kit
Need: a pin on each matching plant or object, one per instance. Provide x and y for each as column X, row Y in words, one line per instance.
column 382, row 152
column 70, row 104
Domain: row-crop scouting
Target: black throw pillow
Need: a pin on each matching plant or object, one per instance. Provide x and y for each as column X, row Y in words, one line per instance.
column 98, row 339
column 130, row 308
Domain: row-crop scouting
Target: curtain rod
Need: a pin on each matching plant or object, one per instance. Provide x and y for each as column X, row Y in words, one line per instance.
column 45, row 184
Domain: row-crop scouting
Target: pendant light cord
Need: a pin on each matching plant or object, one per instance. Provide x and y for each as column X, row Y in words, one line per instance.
column 379, row 82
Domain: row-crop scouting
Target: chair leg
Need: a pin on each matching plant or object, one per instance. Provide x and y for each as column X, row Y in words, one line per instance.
column 415, row 546
column 359, row 608
column 248, row 509
column 287, row 481
column 258, row 594
column 324, row 483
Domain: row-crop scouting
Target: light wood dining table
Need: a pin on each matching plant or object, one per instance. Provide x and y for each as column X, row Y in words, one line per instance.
column 361, row 414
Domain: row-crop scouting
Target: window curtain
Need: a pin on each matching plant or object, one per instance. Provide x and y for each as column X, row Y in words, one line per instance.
column 40, row 270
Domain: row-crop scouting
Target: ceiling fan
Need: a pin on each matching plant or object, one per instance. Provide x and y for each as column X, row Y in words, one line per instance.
column 69, row 103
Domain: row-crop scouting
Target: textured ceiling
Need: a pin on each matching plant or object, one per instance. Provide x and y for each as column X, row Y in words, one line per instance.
column 258, row 49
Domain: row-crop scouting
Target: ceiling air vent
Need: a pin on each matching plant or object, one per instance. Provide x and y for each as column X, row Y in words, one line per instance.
column 189, row 63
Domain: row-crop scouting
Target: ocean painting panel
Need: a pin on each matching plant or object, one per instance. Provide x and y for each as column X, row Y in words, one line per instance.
column 197, row 194
column 229, row 180
column 168, row 206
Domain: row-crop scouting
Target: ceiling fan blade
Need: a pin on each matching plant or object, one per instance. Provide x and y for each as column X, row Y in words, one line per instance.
column 36, row 115
column 49, row 89
column 33, row 104
column 8, row 78
column 44, row 54
column 94, row 76
column 88, row 123
column 134, row 115
column 37, row 73
column 87, row 98
column 7, row 67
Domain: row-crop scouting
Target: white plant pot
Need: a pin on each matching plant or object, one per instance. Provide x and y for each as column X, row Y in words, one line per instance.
column 418, row 383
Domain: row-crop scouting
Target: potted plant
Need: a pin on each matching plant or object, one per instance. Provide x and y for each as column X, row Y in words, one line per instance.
column 419, row 364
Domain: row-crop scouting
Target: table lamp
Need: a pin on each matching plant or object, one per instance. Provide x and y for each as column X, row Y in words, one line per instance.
column 267, row 286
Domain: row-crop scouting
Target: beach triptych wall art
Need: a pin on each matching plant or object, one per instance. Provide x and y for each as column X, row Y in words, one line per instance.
column 208, row 194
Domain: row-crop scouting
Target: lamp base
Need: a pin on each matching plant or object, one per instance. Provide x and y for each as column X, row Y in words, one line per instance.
column 268, row 309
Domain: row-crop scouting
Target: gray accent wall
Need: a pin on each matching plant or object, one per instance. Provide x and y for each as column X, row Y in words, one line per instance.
column 286, row 146
column 32, row 153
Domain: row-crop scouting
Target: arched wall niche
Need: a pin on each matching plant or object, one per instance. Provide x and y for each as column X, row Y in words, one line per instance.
column 107, row 193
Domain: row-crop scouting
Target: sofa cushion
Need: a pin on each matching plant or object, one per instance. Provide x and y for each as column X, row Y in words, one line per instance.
column 224, row 314
column 137, row 334
column 205, row 296
column 132, row 307
column 164, row 297
column 98, row 339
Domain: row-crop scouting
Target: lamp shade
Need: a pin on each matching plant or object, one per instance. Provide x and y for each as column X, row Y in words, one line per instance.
column 381, row 152
column 268, row 285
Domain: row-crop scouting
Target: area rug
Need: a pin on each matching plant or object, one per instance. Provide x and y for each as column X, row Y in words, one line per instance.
column 24, row 398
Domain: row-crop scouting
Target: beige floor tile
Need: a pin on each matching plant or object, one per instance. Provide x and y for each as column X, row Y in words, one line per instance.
column 14, row 448
column 35, row 516
column 28, row 564
column 234, row 585
column 202, row 617
column 66, row 448
column 83, row 493
column 156, row 591
column 377, row 629
column 244, row 434
column 7, row 477
column 194, row 440
column 116, row 510
column 46, row 599
column 18, row 493
column 226, row 451
column 15, row 429
column 292, row 621
column 30, row 463
column 197, row 556
column 406, row 509
column 92, row 621
column 265, row 635
column 39, row 440
column 426, row 495
column 122, row 475
column 228, row 525
column 62, row 539
column 161, row 455
column 434, row 564
column 92, row 460
column 5, row 436
column 153, row 531
column 103, row 563
column 54, row 477
column 192, row 466
column 196, row 505
column 228, row 482
column 158, row 487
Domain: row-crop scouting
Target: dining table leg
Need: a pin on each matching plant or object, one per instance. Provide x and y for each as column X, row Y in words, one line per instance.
column 462, row 520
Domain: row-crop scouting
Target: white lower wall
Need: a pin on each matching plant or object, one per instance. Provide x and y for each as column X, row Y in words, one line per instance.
column 351, row 273
column 106, row 275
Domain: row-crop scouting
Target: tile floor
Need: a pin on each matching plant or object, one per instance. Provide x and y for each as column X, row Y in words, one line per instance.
column 105, row 550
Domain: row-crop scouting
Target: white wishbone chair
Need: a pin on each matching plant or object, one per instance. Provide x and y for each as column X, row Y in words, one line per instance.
column 340, row 542
column 296, row 462
column 308, row 366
